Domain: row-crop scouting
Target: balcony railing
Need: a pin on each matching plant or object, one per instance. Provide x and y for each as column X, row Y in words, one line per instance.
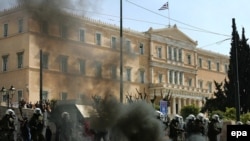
column 179, row 87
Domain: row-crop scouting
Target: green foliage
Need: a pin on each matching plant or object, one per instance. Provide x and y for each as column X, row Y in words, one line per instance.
column 217, row 103
column 157, row 107
column 230, row 113
column 218, row 112
column 190, row 109
column 239, row 61
column 245, row 117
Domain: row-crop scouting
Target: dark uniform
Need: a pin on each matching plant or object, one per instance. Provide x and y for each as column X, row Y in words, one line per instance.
column 199, row 125
column 7, row 126
column 189, row 125
column 175, row 129
column 25, row 129
column 36, row 126
column 214, row 128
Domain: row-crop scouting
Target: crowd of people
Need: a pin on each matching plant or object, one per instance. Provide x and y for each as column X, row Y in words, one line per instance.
column 195, row 128
column 30, row 129
column 43, row 105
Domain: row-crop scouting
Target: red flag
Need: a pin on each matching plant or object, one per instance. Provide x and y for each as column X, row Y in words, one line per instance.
column 164, row 6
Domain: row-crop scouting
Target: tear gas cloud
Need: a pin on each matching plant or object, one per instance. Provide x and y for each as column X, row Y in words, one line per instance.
column 128, row 122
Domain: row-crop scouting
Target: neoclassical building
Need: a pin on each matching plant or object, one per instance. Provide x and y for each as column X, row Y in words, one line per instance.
column 81, row 57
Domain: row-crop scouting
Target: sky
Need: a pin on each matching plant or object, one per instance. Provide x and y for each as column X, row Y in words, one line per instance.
column 207, row 22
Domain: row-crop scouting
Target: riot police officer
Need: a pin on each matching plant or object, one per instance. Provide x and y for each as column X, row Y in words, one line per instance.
column 36, row 125
column 189, row 123
column 65, row 127
column 175, row 129
column 199, row 127
column 8, row 126
column 214, row 128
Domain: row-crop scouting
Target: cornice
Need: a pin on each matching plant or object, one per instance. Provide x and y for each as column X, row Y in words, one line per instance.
column 172, row 67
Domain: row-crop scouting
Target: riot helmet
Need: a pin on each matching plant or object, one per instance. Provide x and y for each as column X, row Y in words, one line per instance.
column 191, row 117
column 200, row 117
column 37, row 111
column 65, row 115
column 177, row 118
column 216, row 117
column 10, row 112
column 239, row 123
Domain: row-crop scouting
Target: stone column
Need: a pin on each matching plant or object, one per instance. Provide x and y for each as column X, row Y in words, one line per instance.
column 184, row 101
column 178, row 78
column 173, row 78
column 152, row 75
column 179, row 105
column 174, row 105
column 200, row 103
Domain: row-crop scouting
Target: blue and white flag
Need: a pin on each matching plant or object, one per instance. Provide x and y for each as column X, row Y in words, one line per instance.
column 164, row 6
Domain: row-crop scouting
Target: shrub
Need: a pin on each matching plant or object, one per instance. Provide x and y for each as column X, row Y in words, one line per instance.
column 230, row 113
column 190, row 109
column 245, row 117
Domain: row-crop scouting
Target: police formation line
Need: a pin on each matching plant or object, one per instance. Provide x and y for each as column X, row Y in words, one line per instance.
column 195, row 128
column 31, row 129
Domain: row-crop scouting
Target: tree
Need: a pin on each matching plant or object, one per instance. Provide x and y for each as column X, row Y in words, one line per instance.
column 245, row 63
column 217, row 103
column 231, row 83
column 238, row 73
column 236, row 87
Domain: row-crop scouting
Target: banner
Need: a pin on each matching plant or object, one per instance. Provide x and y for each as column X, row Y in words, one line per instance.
column 164, row 106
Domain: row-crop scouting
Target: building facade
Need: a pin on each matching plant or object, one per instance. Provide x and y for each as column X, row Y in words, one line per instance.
column 81, row 57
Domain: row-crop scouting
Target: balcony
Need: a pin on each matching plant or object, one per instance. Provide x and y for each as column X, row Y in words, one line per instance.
column 179, row 87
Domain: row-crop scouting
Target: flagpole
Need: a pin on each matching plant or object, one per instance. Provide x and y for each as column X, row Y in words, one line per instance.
column 168, row 17
column 164, row 7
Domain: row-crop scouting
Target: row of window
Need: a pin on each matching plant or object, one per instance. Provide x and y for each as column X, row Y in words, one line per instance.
column 5, row 59
column 174, row 77
column 209, row 65
column 175, row 54
column 64, row 66
column 19, row 94
column 114, row 42
column 44, row 27
column 98, row 38
column 6, row 28
column 45, row 96
column 177, row 77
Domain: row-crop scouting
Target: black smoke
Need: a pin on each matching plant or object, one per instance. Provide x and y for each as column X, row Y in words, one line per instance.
column 128, row 122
